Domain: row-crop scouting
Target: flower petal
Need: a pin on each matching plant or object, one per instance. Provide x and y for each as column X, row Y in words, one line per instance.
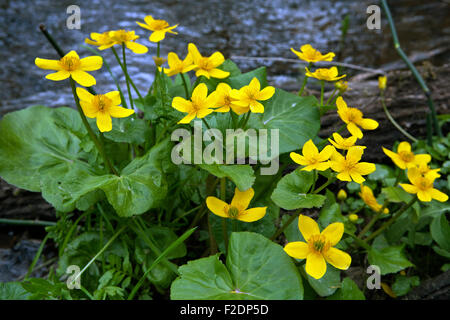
column 104, row 122
column 309, row 150
column 334, row 233
column 115, row 97
column 84, row 95
column 83, row 78
column 47, row 64
column 217, row 206
column 136, row 47
column 241, row 199
column 216, row 59
column 301, row 160
column 182, row 104
column 308, row 227
column 315, row 265
column 297, row 249
column 91, row 63
column 120, row 112
column 188, row 118
column 368, row 124
column 88, row 109
column 218, row 74
column 265, row 93
column 58, row 76
column 338, row 258
column 438, row 195
column 252, row 214
column 157, row 36
column 354, row 130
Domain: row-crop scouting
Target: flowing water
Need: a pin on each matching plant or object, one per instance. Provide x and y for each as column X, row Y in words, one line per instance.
column 252, row 28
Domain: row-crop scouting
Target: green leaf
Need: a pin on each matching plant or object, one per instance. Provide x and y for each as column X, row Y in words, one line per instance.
column 296, row 119
column 256, row 268
column 12, row 291
column 129, row 130
column 403, row 284
column 397, row 194
column 440, row 231
column 389, row 259
column 291, row 191
column 348, row 291
column 242, row 176
column 328, row 284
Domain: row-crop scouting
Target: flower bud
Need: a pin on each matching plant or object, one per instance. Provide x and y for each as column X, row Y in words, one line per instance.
column 353, row 217
column 342, row 195
column 159, row 61
column 382, row 82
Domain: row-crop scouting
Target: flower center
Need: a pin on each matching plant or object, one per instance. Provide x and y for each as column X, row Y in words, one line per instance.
column 70, row 63
column 101, row 102
column 205, row 64
column 354, row 115
column 159, row 25
column 406, row 156
column 233, row 212
column 318, row 243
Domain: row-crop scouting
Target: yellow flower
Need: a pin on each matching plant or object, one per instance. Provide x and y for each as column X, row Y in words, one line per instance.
column 319, row 247
column 207, row 66
column 354, row 119
column 312, row 159
column 199, row 106
column 72, row 66
column 102, row 107
column 238, row 207
column 248, row 97
column 342, row 195
column 225, row 101
column 325, row 74
column 309, row 54
column 343, row 143
column 176, row 65
column 367, row 196
column 342, row 86
column 423, row 186
column 405, row 158
column 425, row 169
column 101, row 40
column 353, row 217
column 349, row 167
column 127, row 38
column 382, row 82
column 159, row 61
column 159, row 28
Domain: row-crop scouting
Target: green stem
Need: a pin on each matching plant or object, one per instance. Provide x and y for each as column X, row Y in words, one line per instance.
column 358, row 241
column 305, row 80
column 392, row 220
column 247, row 117
column 19, row 222
column 331, row 96
column 413, row 69
column 326, row 184
column 158, row 49
column 100, row 252
column 322, row 88
column 285, row 225
column 91, row 133
column 51, row 40
column 125, row 71
column 186, row 90
column 206, row 123
column 391, row 119
column 36, row 257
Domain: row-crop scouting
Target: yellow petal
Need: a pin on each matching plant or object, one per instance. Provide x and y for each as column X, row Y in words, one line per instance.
column 315, row 265
column 136, row 47
column 438, row 195
column 200, row 92
column 149, row 19
column 309, row 149
column 83, row 78
column 254, row 85
column 298, row 159
column 343, row 176
column 326, row 153
column 368, row 124
column 157, row 36
column 341, row 104
column 119, row 112
column 143, row 25
column 257, row 107
column 354, row 130
column 357, row 177
column 188, row 118
column 409, row 188
column 404, row 146
column 308, row 227
column 218, row 74
column 334, row 232
column 104, row 121
column 114, row 96
column 181, row 104
column 88, row 109
column 72, row 54
column 252, row 214
column 216, row 59
column 422, row 159
column 241, row 199
column 193, row 51
column 424, row 195
column 265, row 93
column 204, row 112
column 84, row 95
column 201, row 72
column 47, row 64
column 58, row 76
column 91, row 63
column 355, row 153
column 297, row 249
column 365, row 168
column 217, row 206
column 338, row 259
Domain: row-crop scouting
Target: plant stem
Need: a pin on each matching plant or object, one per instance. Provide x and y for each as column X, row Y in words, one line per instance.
column 125, row 71
column 305, row 80
column 247, row 117
column 185, row 85
column 206, row 123
column 331, row 96
column 100, row 252
column 391, row 119
column 91, row 133
column 413, row 69
column 322, row 88
column 285, row 225
column 19, row 222
column 36, row 257
column 51, row 40
column 392, row 220
column 326, row 184
column 359, row 242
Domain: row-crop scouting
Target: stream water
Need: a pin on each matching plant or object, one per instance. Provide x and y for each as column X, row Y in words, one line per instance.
column 252, row 28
